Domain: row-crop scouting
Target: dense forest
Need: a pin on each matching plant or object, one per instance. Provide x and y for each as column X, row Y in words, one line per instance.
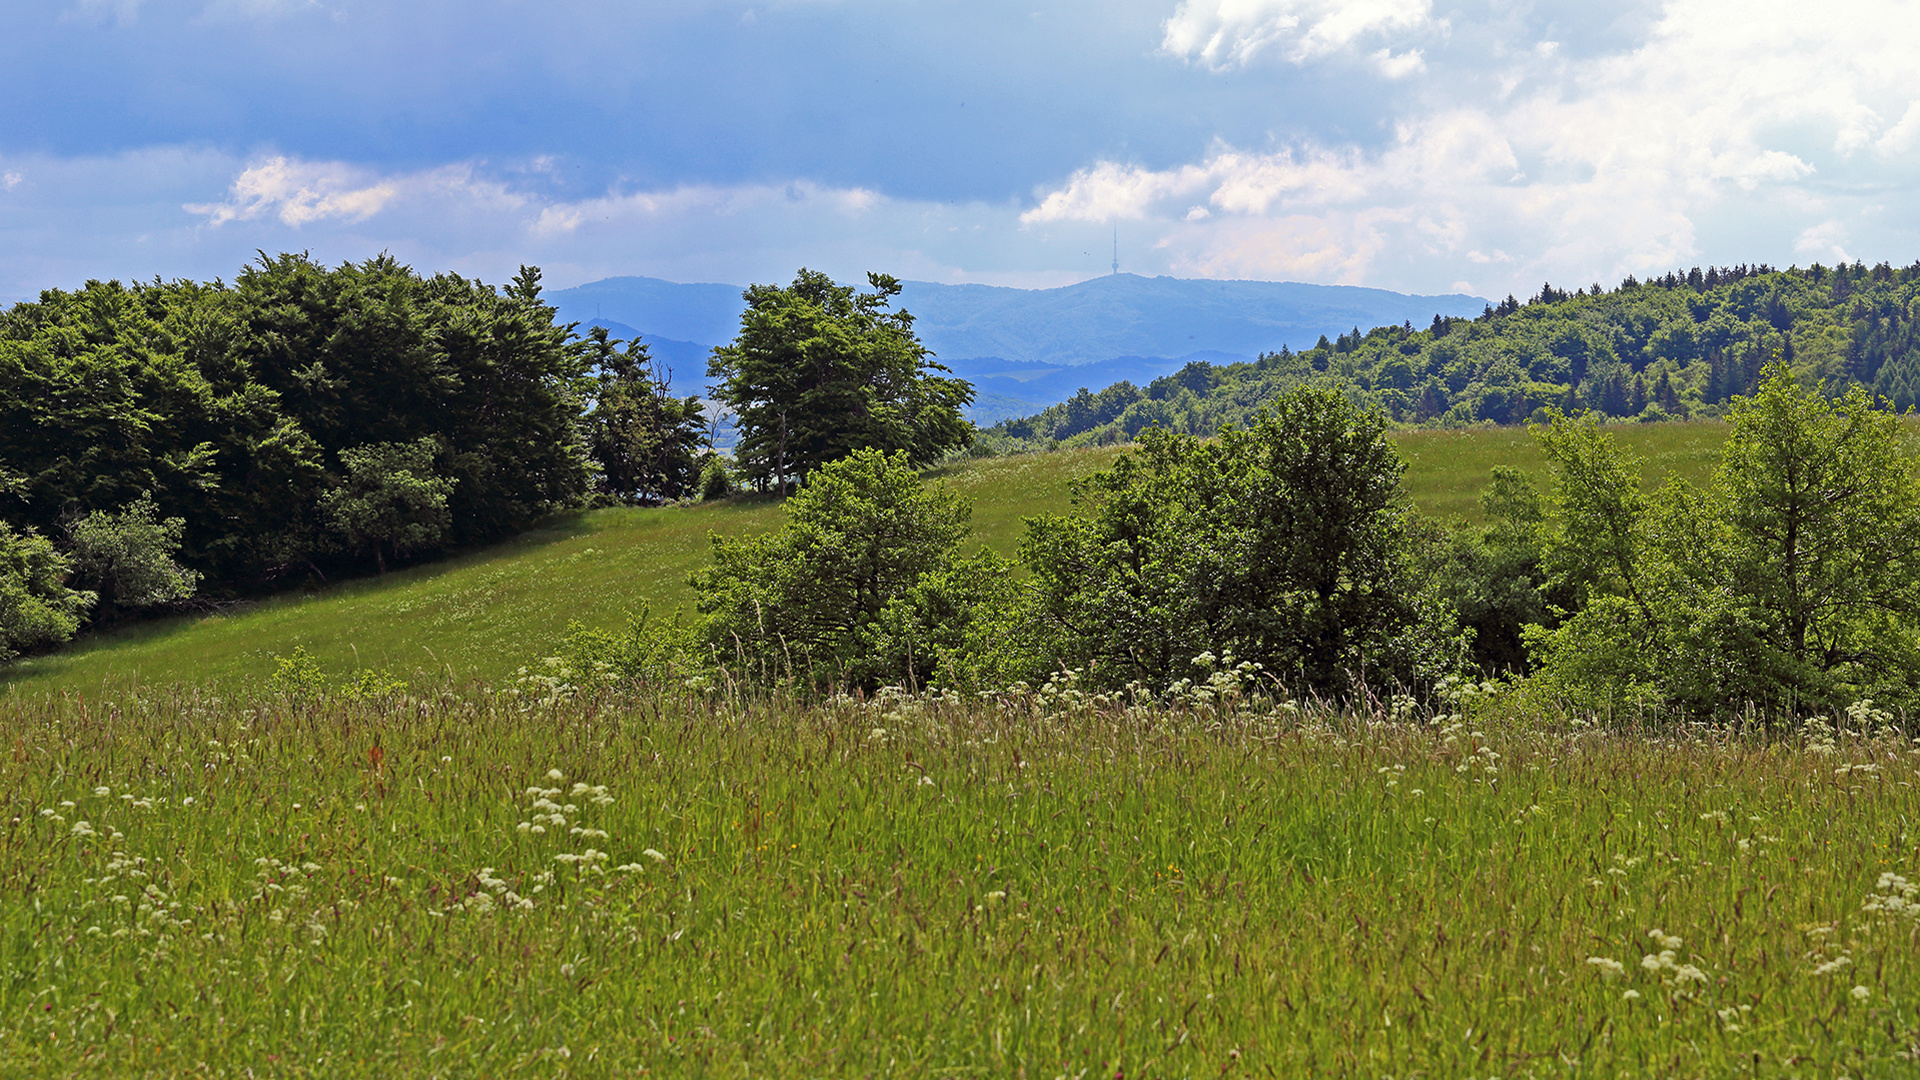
column 1679, row 346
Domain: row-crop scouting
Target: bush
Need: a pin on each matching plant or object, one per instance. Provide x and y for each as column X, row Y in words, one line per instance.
column 809, row 602
column 716, row 480
column 127, row 558
column 392, row 499
column 37, row 609
column 1791, row 583
column 1284, row 544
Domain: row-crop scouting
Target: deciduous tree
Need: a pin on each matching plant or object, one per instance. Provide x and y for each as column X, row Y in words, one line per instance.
column 818, row 371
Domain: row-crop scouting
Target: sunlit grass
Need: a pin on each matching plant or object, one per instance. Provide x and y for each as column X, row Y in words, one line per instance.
column 316, row 886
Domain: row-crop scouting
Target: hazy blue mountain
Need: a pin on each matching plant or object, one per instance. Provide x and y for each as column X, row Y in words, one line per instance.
column 1128, row 315
column 1024, row 349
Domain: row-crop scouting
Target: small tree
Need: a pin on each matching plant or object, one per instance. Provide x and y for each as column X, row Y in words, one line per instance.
column 37, row 609
column 1283, row 543
column 646, row 442
column 127, row 558
column 818, row 371
column 1792, row 581
column 810, row 600
column 392, row 500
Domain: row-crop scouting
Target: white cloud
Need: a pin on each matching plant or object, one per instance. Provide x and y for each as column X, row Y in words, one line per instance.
column 1229, row 33
column 175, row 212
column 10, row 179
column 1823, row 241
column 301, row 192
column 1411, row 62
column 1526, row 162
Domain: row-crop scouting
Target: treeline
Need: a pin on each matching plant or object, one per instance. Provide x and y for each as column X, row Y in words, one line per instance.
column 1674, row 347
column 1282, row 557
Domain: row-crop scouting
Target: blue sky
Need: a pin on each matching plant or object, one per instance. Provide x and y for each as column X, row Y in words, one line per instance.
column 1406, row 144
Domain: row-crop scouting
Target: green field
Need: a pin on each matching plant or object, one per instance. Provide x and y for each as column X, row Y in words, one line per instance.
column 205, row 875
column 453, row 883
column 485, row 614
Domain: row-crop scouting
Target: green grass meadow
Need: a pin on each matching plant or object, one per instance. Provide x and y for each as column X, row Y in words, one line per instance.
column 484, row 614
column 458, row 883
column 204, row 874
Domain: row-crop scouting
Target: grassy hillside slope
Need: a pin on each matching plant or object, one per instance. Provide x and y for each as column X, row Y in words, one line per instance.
column 486, row 613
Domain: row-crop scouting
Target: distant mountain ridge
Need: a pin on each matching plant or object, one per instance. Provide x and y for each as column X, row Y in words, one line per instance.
column 1036, row 346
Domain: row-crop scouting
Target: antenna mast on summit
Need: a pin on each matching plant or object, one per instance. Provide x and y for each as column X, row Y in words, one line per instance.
column 1116, row 249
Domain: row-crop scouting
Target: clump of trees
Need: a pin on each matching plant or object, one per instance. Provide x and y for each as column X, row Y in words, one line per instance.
column 1791, row 581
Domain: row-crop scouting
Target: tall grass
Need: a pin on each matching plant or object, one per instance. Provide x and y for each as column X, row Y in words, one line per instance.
column 461, row 882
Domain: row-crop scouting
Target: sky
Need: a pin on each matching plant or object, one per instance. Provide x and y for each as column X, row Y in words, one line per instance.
column 1415, row 145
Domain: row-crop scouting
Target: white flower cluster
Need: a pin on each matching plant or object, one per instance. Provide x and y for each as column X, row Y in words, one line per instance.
column 495, row 895
column 1895, row 896
column 1664, row 963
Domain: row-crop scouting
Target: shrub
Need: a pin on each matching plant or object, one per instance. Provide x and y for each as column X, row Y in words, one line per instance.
column 808, row 602
column 1283, row 543
column 127, row 558
column 37, row 609
column 716, row 480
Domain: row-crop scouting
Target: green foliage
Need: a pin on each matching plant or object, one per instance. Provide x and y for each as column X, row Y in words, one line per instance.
column 1792, row 582
column 716, row 479
column 818, row 371
column 481, row 614
column 391, row 500
column 646, row 442
column 230, row 404
column 648, row 652
column 127, row 558
column 1283, row 543
column 37, row 609
column 301, row 677
column 1494, row 577
column 1680, row 346
column 810, row 601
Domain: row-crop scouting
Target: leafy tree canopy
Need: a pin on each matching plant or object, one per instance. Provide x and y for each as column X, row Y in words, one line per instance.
column 818, row 371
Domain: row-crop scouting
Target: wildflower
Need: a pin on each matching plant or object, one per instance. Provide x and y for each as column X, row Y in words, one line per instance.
column 1666, row 940
column 81, row 828
column 654, row 855
column 1834, row 966
column 1631, row 995
column 1607, row 966
column 526, row 827
column 188, row 801
column 628, row 868
column 556, row 775
column 103, row 792
column 1861, row 993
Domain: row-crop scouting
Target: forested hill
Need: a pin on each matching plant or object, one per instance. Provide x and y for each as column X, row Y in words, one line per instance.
column 1671, row 347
